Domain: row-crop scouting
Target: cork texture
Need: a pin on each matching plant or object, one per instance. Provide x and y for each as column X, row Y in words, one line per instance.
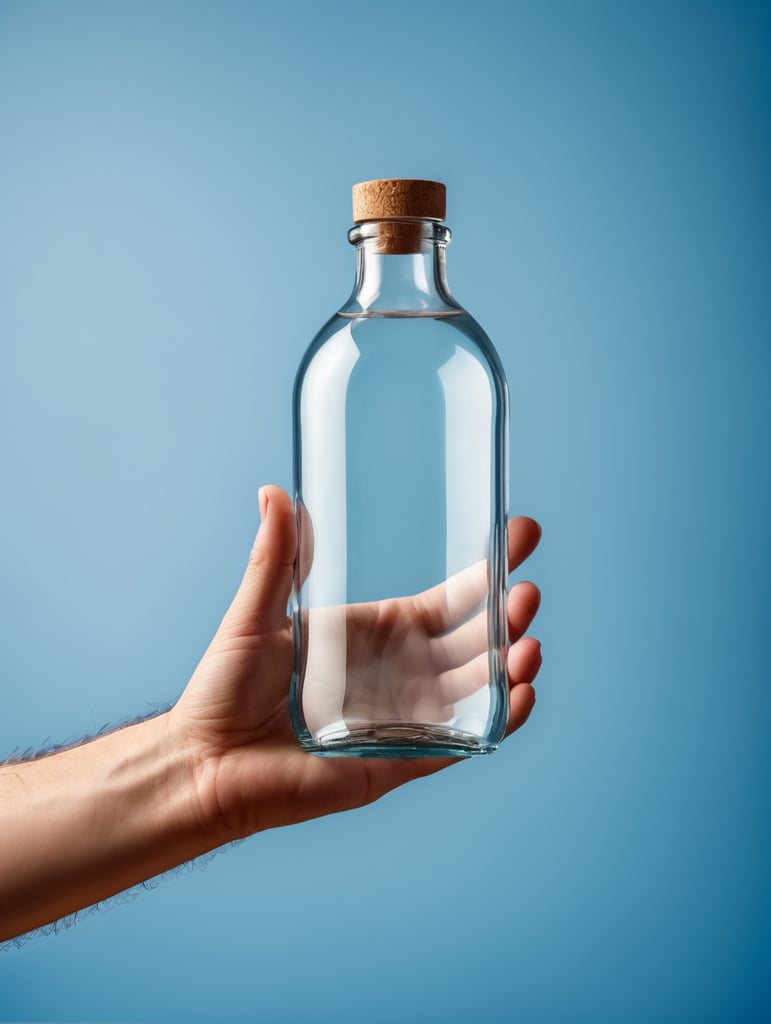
column 399, row 237
column 394, row 198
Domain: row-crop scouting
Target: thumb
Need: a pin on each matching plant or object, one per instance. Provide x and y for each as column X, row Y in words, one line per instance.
column 260, row 604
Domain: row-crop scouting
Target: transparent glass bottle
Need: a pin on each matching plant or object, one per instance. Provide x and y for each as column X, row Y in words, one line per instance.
column 401, row 489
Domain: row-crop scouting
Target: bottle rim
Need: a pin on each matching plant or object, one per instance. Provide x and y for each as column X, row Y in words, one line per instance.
column 412, row 229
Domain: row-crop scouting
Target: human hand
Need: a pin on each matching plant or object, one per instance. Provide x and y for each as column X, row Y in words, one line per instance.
column 233, row 718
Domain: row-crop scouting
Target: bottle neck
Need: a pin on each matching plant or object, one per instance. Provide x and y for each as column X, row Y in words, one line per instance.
column 400, row 269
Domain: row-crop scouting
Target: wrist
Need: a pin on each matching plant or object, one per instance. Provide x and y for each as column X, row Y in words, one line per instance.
column 195, row 766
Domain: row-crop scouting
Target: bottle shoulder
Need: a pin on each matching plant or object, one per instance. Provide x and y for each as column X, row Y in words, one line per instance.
column 409, row 344
column 369, row 331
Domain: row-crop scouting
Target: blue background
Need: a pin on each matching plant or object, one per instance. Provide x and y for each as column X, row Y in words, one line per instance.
column 174, row 195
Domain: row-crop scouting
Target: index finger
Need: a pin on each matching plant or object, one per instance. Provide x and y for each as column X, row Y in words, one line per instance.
column 524, row 534
column 447, row 605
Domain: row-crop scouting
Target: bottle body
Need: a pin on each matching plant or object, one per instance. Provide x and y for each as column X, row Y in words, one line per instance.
column 398, row 606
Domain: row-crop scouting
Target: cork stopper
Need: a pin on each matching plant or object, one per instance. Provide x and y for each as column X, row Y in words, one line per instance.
column 398, row 198
column 394, row 208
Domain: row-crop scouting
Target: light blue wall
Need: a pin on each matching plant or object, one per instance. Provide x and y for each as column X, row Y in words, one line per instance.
column 174, row 196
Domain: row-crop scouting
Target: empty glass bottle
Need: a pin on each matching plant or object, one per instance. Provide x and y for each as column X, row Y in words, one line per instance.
column 401, row 487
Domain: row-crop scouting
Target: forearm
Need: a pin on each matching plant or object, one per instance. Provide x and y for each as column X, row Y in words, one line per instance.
column 81, row 825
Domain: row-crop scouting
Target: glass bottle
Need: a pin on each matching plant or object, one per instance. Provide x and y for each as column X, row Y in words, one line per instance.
column 401, row 490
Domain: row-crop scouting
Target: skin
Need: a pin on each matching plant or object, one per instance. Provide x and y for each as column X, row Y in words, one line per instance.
column 80, row 825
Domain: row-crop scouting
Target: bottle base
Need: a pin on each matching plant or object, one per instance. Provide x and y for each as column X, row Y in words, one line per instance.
column 397, row 740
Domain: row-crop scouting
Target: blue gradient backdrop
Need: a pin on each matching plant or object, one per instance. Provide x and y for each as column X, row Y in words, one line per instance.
column 174, row 196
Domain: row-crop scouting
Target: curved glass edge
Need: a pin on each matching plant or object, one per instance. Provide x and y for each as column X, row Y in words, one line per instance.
column 392, row 740
column 398, row 739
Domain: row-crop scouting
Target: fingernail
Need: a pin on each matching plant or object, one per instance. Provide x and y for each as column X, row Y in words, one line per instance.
column 263, row 501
